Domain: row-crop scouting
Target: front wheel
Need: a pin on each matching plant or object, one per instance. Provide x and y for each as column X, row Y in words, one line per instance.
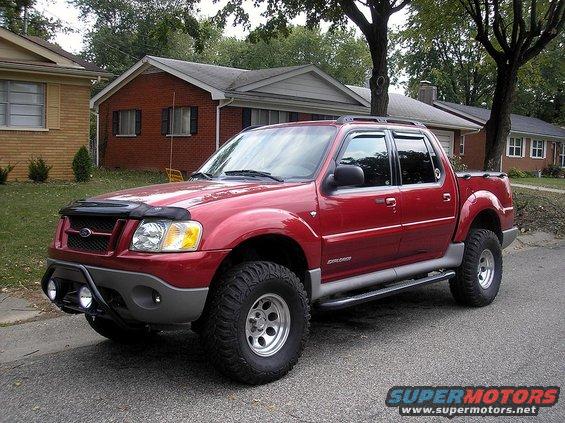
column 257, row 323
column 477, row 280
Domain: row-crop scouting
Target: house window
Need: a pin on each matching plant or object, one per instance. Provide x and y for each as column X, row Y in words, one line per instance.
column 562, row 155
column 537, row 150
column 126, row 122
column 22, row 104
column 462, row 146
column 324, row 117
column 515, row 147
column 179, row 121
column 268, row 117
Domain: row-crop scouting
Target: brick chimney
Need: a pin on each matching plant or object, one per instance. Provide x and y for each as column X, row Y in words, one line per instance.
column 427, row 93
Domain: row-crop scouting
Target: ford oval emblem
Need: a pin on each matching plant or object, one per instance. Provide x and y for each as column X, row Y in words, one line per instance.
column 85, row 232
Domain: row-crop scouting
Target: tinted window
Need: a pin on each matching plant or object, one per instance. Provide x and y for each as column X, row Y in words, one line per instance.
column 370, row 154
column 415, row 161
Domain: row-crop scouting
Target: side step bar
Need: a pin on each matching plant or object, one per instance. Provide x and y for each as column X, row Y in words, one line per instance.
column 397, row 288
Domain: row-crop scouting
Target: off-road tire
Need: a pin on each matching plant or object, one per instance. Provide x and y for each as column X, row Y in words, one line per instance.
column 223, row 329
column 465, row 286
column 114, row 332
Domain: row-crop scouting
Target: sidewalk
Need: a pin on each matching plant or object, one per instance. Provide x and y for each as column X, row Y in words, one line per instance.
column 13, row 309
column 538, row 188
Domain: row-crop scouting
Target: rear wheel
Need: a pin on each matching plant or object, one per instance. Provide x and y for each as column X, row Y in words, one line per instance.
column 257, row 323
column 111, row 330
column 478, row 279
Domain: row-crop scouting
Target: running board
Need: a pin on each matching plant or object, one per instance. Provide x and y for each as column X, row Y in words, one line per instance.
column 397, row 288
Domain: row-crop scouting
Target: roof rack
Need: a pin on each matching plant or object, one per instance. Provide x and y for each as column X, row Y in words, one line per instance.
column 378, row 119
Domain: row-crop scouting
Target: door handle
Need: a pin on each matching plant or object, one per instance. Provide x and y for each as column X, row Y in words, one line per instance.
column 446, row 197
column 390, row 201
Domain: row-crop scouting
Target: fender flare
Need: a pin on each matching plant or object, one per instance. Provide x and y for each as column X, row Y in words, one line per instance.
column 477, row 203
column 245, row 225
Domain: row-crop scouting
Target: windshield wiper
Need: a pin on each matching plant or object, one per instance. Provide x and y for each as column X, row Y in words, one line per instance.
column 250, row 172
column 203, row 175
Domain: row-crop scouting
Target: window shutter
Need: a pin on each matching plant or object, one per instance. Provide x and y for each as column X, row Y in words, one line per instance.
column 137, row 122
column 53, row 101
column 193, row 120
column 165, row 116
column 523, row 143
column 115, row 121
column 293, row 117
column 246, row 118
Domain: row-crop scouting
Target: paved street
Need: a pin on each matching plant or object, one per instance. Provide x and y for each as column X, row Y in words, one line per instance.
column 58, row 370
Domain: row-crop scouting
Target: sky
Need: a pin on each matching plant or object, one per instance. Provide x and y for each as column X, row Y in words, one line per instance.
column 73, row 41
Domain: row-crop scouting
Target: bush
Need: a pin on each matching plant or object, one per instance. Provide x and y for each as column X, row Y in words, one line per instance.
column 38, row 171
column 517, row 173
column 552, row 171
column 4, row 171
column 457, row 164
column 82, row 165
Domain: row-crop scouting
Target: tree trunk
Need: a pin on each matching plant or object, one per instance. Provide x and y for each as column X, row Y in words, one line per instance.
column 498, row 126
column 379, row 80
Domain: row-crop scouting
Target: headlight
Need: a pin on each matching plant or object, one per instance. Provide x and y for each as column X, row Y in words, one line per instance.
column 165, row 235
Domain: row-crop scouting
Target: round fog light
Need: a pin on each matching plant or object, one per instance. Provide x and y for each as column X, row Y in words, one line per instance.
column 51, row 290
column 85, row 297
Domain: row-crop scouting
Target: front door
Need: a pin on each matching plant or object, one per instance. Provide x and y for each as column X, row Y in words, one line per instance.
column 428, row 196
column 361, row 225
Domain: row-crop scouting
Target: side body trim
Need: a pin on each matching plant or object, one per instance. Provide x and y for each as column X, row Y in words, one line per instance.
column 452, row 258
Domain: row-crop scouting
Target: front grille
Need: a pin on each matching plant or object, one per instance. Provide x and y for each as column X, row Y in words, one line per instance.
column 97, row 224
column 98, row 244
column 101, row 230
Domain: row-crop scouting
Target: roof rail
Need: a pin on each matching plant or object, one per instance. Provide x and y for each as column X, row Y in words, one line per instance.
column 378, row 119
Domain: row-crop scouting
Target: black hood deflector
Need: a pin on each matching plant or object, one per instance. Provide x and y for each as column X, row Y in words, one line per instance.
column 124, row 210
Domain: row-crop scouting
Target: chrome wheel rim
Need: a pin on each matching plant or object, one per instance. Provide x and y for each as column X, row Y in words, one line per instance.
column 267, row 325
column 485, row 269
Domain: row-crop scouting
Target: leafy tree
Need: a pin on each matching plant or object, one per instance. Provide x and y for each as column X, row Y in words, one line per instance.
column 339, row 53
column 512, row 32
column 440, row 47
column 374, row 27
column 13, row 12
column 126, row 30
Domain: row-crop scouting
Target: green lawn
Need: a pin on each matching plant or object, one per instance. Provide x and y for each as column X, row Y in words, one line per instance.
column 542, row 182
column 29, row 213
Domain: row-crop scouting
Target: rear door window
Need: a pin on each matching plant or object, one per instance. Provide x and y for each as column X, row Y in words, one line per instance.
column 416, row 165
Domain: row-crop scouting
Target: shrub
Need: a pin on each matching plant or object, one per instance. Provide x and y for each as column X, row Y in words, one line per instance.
column 552, row 171
column 82, row 165
column 457, row 164
column 38, row 171
column 4, row 171
column 517, row 173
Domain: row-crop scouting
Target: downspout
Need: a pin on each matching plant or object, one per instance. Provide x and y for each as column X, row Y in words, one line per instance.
column 97, row 137
column 220, row 105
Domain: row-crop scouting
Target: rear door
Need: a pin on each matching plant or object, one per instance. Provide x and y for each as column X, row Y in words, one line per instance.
column 428, row 196
column 361, row 225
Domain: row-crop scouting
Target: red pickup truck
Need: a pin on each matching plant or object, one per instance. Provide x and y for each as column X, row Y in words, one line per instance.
column 282, row 218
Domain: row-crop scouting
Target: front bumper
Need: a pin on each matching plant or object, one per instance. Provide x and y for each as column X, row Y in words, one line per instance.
column 508, row 236
column 124, row 296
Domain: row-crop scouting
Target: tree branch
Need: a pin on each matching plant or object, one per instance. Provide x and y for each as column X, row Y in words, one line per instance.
column 353, row 12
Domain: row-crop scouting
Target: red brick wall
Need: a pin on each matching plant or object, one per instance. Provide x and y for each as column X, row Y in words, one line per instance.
column 150, row 150
column 475, row 155
column 231, row 122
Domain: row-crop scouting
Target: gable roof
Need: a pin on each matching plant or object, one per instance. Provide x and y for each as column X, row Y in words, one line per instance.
column 406, row 107
column 42, row 56
column 519, row 123
column 225, row 82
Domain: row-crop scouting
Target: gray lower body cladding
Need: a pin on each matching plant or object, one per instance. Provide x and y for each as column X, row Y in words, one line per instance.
column 137, row 291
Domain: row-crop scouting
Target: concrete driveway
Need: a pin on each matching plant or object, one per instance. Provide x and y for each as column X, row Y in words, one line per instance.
column 58, row 370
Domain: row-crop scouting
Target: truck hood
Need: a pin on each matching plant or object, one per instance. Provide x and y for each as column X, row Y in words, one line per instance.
column 192, row 193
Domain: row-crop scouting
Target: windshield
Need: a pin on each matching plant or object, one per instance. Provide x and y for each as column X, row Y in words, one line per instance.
column 289, row 153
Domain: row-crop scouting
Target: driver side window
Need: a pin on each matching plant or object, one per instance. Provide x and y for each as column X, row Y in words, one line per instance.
column 370, row 153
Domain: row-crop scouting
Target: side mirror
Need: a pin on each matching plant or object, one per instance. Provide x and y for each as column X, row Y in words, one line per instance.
column 348, row 175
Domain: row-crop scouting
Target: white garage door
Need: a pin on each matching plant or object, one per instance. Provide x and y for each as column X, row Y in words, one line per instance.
column 446, row 140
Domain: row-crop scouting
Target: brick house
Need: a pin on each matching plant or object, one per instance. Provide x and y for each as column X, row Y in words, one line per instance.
column 532, row 144
column 44, row 104
column 165, row 112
